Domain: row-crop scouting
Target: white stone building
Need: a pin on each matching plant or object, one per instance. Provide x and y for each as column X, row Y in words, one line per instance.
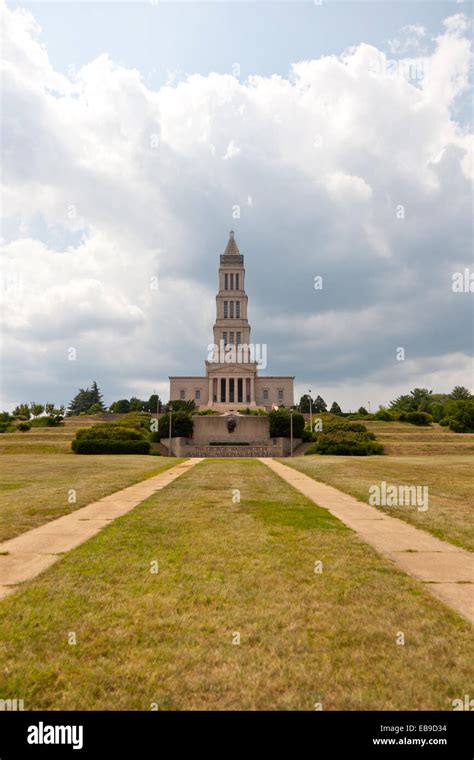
column 232, row 380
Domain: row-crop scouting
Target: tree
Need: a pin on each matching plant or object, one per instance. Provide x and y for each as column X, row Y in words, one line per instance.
column 363, row 411
column 319, row 405
column 95, row 409
column 304, row 404
column 49, row 409
column 137, row 405
column 335, row 408
column 418, row 397
column 154, row 404
column 36, row 409
column 460, row 393
column 22, row 410
column 96, row 396
column 181, row 425
column 85, row 399
column 120, row 407
column 181, row 406
column 280, row 424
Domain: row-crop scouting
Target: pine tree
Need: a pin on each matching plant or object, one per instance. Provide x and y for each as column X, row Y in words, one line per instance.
column 335, row 408
column 319, row 405
column 85, row 399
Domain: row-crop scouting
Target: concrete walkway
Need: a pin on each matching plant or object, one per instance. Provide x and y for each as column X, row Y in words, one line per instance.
column 27, row 555
column 446, row 571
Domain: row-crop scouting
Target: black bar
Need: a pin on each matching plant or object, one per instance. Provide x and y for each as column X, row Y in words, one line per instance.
column 298, row 734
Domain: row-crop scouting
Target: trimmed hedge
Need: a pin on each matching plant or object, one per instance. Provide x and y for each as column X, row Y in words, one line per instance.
column 109, row 446
column 109, row 431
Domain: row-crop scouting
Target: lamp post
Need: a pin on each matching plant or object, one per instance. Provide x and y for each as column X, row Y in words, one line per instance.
column 310, row 410
column 291, row 432
column 171, row 414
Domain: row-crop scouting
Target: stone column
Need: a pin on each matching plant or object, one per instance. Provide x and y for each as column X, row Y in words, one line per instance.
column 252, row 390
column 227, row 386
column 210, row 399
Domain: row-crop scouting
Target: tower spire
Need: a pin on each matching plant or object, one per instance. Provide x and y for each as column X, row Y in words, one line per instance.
column 231, row 247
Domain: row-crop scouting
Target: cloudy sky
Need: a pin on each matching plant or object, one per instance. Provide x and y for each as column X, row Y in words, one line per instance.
column 334, row 139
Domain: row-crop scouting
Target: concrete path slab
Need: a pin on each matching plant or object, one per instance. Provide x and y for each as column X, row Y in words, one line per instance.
column 446, row 571
column 24, row 557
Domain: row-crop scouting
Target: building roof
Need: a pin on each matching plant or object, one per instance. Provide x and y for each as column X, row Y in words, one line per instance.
column 231, row 248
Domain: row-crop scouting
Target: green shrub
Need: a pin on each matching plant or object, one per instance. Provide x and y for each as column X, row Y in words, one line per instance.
column 47, row 421
column 461, row 415
column 181, row 426
column 280, row 424
column 109, row 446
column 306, row 435
column 340, row 443
column 383, row 415
column 207, row 413
column 255, row 412
column 138, row 420
column 110, row 432
column 445, row 421
column 23, row 427
column 416, row 418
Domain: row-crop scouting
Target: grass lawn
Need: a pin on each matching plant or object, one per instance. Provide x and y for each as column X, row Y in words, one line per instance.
column 34, row 490
column 450, row 514
column 39, row 469
column 404, row 439
column 228, row 568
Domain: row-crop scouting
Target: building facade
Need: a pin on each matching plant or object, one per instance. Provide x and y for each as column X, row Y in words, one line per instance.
column 232, row 380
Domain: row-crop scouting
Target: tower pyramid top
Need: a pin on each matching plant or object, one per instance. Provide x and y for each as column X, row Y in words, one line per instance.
column 231, row 248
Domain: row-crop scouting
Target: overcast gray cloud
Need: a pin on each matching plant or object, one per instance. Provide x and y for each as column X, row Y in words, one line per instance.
column 347, row 169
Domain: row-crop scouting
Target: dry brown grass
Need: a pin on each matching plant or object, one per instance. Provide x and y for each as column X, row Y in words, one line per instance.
column 450, row 481
column 39, row 470
column 404, row 439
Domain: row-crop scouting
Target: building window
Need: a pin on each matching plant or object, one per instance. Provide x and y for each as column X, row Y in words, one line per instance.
column 265, row 394
column 182, row 395
column 231, row 338
column 226, row 281
column 239, row 338
column 224, row 338
column 198, row 394
column 237, row 281
column 237, row 309
column 226, row 309
column 231, row 309
column 232, row 281
column 280, row 394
